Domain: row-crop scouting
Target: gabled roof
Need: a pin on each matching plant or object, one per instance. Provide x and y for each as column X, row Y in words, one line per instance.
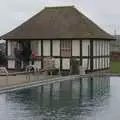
column 58, row 23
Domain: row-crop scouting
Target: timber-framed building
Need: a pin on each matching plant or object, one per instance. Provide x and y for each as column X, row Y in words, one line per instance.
column 61, row 33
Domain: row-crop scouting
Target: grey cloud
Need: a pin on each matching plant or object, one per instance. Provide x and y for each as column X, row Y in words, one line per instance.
column 14, row 12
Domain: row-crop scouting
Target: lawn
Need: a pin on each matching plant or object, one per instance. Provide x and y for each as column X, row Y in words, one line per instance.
column 115, row 66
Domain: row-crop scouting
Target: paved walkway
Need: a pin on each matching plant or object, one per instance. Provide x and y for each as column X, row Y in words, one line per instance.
column 14, row 79
column 20, row 79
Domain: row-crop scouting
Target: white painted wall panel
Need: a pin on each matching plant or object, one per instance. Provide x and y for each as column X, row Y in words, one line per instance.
column 38, row 64
column 98, row 63
column 75, row 47
column 11, row 64
column 39, row 48
column 57, row 62
column 102, row 62
column 94, row 63
column 66, row 64
column 85, row 44
column 106, row 63
column 98, row 48
column 46, row 47
column 103, row 48
column 56, row 48
column 108, row 48
column 94, row 48
column 85, row 63
column 9, row 48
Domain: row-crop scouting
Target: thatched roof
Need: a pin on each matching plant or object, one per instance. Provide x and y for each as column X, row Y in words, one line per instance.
column 58, row 23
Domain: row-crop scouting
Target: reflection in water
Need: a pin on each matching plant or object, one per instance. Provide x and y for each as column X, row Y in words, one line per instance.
column 68, row 100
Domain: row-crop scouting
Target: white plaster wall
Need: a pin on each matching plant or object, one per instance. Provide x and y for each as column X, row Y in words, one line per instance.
column 56, row 47
column 39, row 48
column 108, row 62
column 11, row 64
column 103, row 48
column 30, row 62
column 66, row 64
column 108, row 47
column 22, row 64
column 106, row 65
column 75, row 47
column 94, row 63
column 102, row 62
column 57, row 62
column 85, row 63
column 98, row 63
column 99, row 42
column 9, row 48
column 98, row 48
column 95, row 48
column 38, row 63
column 85, row 44
column 46, row 47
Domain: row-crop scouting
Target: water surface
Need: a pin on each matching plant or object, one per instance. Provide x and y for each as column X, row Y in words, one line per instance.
column 81, row 99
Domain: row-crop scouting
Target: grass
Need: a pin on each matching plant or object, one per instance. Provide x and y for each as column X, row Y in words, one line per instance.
column 115, row 66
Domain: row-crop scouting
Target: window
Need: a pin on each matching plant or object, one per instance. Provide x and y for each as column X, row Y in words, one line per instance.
column 66, row 48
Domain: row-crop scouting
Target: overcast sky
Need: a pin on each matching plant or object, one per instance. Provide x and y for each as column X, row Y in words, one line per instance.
column 105, row 13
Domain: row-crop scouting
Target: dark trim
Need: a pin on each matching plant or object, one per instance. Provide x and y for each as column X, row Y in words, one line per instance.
column 77, row 57
column 41, row 47
column 60, row 39
column 99, row 55
column 71, row 47
column 95, row 70
column 42, row 54
column 102, row 48
column 60, row 57
column 6, row 52
column 11, row 58
column 80, row 52
column 13, row 69
column 91, row 55
column 51, row 48
column 88, row 61
column 104, row 53
column 65, row 72
column 96, row 56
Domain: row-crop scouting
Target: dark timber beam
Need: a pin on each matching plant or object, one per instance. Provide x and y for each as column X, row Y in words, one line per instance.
column 91, row 55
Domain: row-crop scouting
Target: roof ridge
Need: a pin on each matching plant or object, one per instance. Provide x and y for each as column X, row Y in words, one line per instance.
column 67, row 6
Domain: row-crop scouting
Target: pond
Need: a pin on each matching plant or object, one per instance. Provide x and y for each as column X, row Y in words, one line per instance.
column 81, row 99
